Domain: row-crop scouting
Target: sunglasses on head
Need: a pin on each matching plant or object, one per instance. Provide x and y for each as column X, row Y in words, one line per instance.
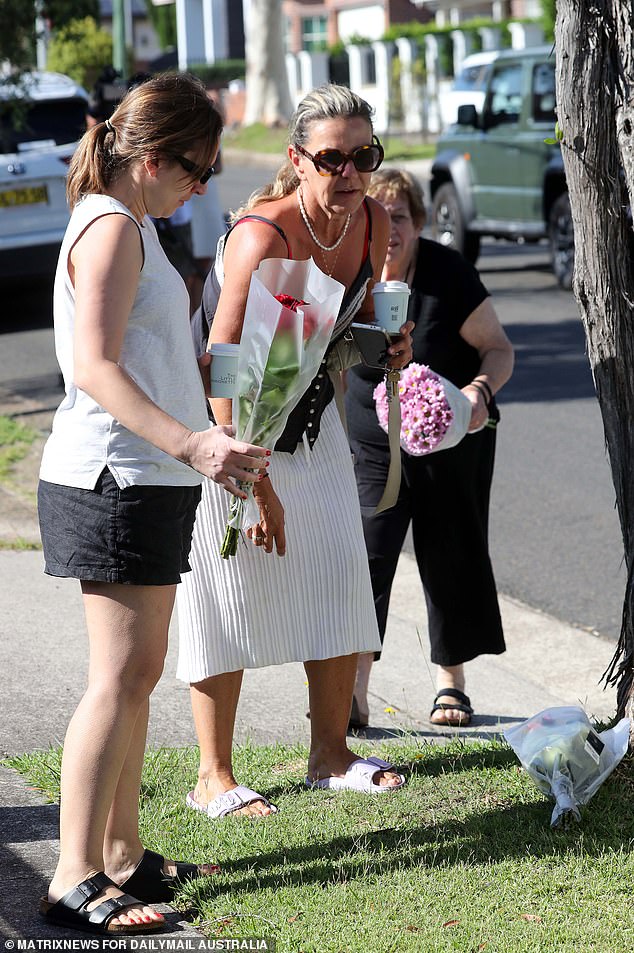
column 191, row 167
column 334, row 161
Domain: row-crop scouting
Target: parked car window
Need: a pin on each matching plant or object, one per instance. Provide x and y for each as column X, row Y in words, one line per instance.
column 54, row 122
column 471, row 77
column 543, row 92
column 505, row 95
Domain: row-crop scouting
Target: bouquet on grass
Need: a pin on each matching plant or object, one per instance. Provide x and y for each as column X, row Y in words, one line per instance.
column 566, row 757
column 290, row 313
column 435, row 414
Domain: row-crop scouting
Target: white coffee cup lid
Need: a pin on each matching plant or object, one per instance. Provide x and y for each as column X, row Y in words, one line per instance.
column 219, row 347
column 382, row 286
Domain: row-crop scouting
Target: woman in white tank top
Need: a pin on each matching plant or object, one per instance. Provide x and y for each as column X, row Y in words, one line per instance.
column 120, row 481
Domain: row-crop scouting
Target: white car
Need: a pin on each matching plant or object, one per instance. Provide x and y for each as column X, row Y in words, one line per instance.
column 35, row 150
column 468, row 86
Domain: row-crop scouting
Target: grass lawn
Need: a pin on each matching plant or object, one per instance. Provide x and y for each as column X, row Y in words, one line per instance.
column 259, row 138
column 15, row 440
column 462, row 858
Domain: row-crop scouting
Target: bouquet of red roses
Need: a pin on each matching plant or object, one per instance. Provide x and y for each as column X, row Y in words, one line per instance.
column 290, row 313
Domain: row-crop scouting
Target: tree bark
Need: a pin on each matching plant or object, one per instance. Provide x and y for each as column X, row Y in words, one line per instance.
column 267, row 94
column 595, row 100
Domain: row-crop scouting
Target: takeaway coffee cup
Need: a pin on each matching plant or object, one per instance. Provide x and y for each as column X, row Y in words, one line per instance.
column 224, row 366
column 390, row 305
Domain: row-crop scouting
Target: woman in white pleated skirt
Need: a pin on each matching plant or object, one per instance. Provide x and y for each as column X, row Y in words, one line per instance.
column 299, row 588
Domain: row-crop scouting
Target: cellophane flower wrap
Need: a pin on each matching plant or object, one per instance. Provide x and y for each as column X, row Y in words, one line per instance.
column 566, row 757
column 281, row 349
column 435, row 414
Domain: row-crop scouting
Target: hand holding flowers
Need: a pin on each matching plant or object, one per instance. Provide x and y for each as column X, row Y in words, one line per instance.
column 435, row 415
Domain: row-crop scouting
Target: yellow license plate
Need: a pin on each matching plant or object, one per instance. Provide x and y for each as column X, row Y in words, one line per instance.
column 36, row 195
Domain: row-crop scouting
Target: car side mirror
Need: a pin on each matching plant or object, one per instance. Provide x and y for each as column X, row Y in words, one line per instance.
column 467, row 116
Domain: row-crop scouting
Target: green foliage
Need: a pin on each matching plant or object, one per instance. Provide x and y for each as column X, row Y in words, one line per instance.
column 219, row 73
column 80, row 49
column 559, row 136
column 15, row 440
column 549, row 13
column 418, row 31
column 61, row 12
column 396, row 100
column 17, row 35
column 17, row 30
column 164, row 22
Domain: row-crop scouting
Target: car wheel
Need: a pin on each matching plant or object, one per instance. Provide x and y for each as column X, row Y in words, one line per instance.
column 448, row 226
column 562, row 242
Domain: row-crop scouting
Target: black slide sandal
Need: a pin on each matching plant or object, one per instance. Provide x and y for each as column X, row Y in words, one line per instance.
column 463, row 704
column 71, row 911
column 150, row 884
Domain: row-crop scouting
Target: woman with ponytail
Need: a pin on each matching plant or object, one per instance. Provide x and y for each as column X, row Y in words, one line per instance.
column 120, row 481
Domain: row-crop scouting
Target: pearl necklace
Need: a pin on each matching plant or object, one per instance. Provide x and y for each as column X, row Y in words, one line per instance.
column 311, row 231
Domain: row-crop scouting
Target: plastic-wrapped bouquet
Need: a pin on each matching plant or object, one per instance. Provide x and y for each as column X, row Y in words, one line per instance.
column 435, row 414
column 290, row 313
column 566, row 757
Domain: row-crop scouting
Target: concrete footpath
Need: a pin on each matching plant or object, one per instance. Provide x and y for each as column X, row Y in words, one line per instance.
column 43, row 662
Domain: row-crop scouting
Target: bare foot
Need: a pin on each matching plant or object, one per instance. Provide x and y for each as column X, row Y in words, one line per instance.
column 207, row 791
column 336, row 767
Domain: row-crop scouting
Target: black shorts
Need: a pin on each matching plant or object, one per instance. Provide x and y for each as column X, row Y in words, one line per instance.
column 140, row 536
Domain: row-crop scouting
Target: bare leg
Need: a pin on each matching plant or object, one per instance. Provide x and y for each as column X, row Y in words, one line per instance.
column 364, row 670
column 127, row 628
column 214, row 704
column 449, row 676
column 122, row 847
column 331, row 683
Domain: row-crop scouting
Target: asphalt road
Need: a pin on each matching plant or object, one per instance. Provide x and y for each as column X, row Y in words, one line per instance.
column 555, row 539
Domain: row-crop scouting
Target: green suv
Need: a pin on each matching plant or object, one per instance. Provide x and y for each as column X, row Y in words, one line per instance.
column 495, row 175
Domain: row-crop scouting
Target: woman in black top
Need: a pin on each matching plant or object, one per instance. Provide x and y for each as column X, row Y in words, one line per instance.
column 445, row 495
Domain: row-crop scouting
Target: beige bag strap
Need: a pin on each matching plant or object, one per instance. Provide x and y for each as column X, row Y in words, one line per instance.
column 337, row 383
column 393, row 482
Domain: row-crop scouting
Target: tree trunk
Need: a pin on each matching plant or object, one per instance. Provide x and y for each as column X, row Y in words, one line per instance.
column 595, row 98
column 267, row 94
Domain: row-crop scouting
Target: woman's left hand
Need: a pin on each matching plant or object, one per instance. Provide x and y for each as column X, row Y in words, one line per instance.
column 400, row 350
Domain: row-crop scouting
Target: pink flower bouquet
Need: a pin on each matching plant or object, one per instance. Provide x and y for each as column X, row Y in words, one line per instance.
column 435, row 414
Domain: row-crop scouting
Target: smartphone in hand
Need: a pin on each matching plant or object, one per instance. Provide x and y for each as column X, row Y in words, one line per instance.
column 373, row 343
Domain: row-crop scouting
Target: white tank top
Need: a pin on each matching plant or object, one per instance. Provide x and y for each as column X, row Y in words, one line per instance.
column 157, row 353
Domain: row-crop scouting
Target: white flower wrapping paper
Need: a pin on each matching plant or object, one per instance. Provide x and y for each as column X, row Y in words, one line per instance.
column 435, row 414
column 281, row 349
column 566, row 757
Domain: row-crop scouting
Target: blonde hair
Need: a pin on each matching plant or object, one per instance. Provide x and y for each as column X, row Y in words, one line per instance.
column 393, row 184
column 165, row 116
column 330, row 101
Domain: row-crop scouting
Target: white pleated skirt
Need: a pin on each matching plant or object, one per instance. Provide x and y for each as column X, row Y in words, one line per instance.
column 259, row 609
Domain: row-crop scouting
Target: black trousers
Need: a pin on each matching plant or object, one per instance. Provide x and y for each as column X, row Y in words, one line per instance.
column 445, row 496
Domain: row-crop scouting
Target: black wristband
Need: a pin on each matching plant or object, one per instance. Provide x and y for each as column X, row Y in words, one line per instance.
column 479, row 386
column 486, row 387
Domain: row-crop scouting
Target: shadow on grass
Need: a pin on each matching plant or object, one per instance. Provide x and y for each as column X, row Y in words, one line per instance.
column 488, row 813
column 499, row 825
column 499, row 834
column 473, row 731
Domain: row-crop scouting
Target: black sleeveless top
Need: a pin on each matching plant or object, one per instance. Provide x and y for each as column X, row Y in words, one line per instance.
column 306, row 417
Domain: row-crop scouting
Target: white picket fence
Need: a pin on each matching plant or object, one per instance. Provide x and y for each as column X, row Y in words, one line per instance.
column 371, row 75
